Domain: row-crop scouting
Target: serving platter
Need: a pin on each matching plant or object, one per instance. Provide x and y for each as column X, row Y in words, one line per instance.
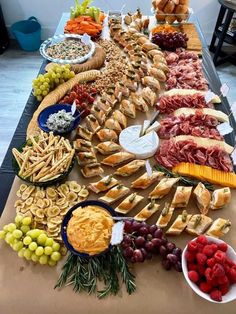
column 63, row 37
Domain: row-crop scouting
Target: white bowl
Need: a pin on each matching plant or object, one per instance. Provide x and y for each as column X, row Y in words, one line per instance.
column 231, row 295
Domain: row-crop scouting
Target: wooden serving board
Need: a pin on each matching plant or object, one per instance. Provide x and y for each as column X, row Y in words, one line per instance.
column 194, row 42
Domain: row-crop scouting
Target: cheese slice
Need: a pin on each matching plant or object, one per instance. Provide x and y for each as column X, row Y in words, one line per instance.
column 205, row 142
column 219, row 115
column 183, row 92
column 142, row 146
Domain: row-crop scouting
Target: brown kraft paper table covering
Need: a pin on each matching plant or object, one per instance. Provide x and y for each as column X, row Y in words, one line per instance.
column 29, row 289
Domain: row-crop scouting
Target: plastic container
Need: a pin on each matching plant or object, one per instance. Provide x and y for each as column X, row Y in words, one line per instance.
column 27, row 33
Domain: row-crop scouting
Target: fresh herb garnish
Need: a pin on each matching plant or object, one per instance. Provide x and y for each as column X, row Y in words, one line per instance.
column 184, row 180
column 83, row 274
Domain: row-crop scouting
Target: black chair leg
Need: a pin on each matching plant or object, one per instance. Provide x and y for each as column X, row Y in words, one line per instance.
column 222, row 35
column 218, row 23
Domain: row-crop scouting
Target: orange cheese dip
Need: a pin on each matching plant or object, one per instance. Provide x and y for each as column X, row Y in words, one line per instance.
column 89, row 229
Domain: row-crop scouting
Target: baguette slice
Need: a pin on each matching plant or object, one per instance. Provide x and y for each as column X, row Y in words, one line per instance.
column 115, row 194
column 205, row 142
column 130, row 168
column 92, row 170
column 182, row 196
column 145, row 181
column 219, row 228
column 203, row 197
column 220, row 198
column 165, row 216
column 219, row 115
column 117, row 159
column 163, row 188
column 198, row 224
column 179, row 224
column 147, row 211
column 183, row 92
column 108, row 147
column 103, row 185
column 129, row 203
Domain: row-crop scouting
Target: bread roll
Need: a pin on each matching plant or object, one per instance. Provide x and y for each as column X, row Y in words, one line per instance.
column 184, row 2
column 181, row 9
column 170, row 19
column 169, row 7
column 160, row 16
column 161, row 4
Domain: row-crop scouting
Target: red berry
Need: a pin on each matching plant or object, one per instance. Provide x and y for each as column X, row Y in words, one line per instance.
column 205, row 287
column 192, row 246
column 201, row 270
column 220, row 257
column 193, row 276
column 232, row 275
column 216, row 295
column 201, row 258
column 207, row 250
column 211, row 262
column 202, row 239
column 200, row 247
column 229, row 262
column 214, row 247
column 218, row 270
column 223, row 280
column 192, row 266
column 223, row 247
column 190, row 257
column 224, row 289
column 208, row 274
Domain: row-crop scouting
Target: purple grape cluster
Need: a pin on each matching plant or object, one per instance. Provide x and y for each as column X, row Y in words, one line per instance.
column 141, row 241
column 170, row 40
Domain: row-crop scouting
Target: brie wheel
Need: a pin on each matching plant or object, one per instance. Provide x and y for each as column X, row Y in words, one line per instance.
column 143, row 147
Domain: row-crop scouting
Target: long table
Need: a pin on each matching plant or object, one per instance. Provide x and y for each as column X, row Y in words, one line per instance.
column 27, row 288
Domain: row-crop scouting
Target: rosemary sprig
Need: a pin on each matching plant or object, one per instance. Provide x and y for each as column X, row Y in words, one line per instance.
column 183, row 180
column 83, row 274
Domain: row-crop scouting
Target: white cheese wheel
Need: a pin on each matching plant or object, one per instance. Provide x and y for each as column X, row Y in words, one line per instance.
column 143, row 147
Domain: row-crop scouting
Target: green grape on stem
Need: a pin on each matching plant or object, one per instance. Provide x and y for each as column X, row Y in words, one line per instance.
column 39, row 251
column 21, row 252
column 34, row 258
column 56, row 256
column 18, row 246
column 27, row 240
column 43, row 260
column 2, row 234
column 26, row 221
column 33, row 246
column 55, row 246
column 24, row 229
column 27, row 254
column 17, row 233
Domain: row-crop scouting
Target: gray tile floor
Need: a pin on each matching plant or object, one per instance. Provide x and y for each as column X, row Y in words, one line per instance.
column 18, row 68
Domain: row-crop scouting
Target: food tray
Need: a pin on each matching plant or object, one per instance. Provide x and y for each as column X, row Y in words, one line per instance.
column 61, row 37
column 176, row 19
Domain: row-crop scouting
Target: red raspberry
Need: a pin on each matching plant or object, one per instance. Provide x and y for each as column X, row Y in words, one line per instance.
column 192, row 246
column 200, row 247
column 202, row 239
column 224, row 289
column 192, row 266
column 229, row 262
column 223, row 247
column 223, row 280
column 211, row 262
column 207, row 250
column 201, row 269
column 190, row 257
column 232, row 275
column 220, row 257
column 216, row 295
column 214, row 247
column 193, row 276
column 208, row 274
column 218, row 270
column 205, row 287
column 201, row 258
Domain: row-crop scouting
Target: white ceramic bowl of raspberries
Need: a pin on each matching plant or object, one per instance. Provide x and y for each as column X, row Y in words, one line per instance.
column 209, row 267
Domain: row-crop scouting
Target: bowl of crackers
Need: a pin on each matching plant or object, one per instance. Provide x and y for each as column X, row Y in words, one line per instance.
column 43, row 160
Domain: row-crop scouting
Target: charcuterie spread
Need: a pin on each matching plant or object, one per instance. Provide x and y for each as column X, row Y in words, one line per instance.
column 148, row 147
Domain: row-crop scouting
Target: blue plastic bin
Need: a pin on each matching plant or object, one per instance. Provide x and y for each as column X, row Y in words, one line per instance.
column 27, row 33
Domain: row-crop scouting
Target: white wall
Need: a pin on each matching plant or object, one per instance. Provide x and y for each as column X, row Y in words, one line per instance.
column 49, row 12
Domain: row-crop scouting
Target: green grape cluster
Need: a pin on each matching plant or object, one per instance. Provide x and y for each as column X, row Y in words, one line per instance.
column 45, row 83
column 31, row 244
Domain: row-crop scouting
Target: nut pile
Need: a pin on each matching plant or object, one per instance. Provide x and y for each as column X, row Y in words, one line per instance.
column 116, row 65
column 47, row 207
